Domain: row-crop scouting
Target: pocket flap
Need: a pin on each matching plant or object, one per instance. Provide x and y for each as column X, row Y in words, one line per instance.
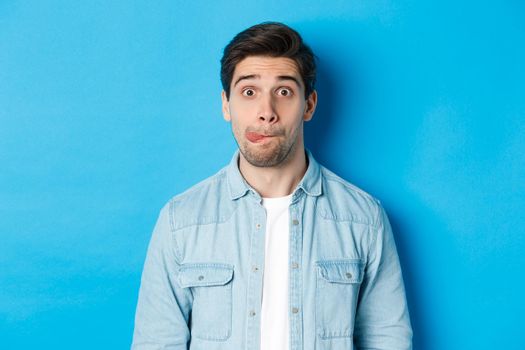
column 341, row 271
column 204, row 274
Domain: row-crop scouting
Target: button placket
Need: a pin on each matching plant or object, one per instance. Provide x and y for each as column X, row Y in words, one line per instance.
column 253, row 302
column 295, row 276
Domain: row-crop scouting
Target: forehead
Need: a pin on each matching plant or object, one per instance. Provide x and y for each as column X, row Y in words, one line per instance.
column 266, row 67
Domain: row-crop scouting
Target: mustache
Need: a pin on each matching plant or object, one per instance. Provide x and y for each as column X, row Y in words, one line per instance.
column 267, row 131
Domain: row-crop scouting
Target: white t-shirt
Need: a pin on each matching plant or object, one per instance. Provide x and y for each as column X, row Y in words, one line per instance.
column 275, row 325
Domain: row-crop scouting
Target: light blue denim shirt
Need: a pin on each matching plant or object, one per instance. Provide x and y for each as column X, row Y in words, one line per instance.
column 202, row 281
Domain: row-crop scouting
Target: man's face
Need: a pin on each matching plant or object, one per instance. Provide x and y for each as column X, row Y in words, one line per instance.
column 267, row 109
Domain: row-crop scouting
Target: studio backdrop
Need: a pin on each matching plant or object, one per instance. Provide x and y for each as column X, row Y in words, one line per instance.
column 110, row 108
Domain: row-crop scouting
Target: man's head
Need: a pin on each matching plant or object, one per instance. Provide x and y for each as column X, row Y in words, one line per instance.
column 268, row 77
column 270, row 39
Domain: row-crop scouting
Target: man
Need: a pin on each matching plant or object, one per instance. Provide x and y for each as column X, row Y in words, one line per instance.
column 274, row 251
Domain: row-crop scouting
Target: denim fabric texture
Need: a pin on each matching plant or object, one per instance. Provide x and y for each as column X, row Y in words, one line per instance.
column 202, row 280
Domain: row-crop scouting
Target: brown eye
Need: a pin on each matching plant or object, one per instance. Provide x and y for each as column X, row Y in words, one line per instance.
column 248, row 92
column 285, row 92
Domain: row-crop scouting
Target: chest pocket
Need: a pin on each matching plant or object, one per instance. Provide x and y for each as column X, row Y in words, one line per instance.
column 338, row 283
column 211, row 286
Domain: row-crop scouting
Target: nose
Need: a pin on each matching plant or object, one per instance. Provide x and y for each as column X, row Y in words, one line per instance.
column 267, row 112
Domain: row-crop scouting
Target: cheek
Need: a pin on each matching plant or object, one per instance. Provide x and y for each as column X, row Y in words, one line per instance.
column 237, row 127
column 241, row 112
column 291, row 113
column 290, row 107
column 243, row 106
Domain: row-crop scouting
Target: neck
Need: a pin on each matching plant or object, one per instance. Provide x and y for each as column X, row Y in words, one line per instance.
column 276, row 181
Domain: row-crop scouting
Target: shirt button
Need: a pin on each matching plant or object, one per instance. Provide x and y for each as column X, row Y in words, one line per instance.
column 295, row 310
column 295, row 265
column 255, row 269
column 201, row 278
column 348, row 275
column 258, row 226
column 252, row 313
column 295, row 222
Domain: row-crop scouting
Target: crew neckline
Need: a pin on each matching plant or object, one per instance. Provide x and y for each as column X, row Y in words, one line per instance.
column 277, row 199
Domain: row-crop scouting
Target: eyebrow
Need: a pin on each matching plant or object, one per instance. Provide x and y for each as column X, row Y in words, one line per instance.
column 290, row 78
column 257, row 76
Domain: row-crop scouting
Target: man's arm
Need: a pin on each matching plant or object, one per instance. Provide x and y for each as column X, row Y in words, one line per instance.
column 382, row 320
column 161, row 320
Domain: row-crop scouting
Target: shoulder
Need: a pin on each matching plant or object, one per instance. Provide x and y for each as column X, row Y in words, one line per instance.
column 203, row 203
column 344, row 201
column 202, row 188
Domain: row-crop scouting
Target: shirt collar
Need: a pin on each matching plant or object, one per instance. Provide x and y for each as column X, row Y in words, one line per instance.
column 310, row 183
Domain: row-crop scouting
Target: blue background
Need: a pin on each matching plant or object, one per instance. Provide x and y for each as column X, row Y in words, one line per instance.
column 109, row 108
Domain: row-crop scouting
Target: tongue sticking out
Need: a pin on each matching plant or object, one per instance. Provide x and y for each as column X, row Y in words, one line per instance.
column 255, row 137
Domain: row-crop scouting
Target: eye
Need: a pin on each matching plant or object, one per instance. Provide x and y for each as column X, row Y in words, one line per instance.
column 284, row 92
column 248, row 92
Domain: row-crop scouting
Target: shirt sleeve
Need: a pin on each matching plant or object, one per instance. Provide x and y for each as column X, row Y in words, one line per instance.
column 382, row 319
column 163, row 308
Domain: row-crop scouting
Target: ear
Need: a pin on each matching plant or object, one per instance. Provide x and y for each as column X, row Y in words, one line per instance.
column 311, row 103
column 225, row 107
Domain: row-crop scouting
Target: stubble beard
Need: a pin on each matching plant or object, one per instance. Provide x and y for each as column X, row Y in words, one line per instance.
column 272, row 154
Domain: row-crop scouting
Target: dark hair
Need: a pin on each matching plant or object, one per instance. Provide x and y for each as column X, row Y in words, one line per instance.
column 272, row 39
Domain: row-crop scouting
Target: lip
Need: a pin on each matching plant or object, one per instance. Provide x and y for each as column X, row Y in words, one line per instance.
column 256, row 137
